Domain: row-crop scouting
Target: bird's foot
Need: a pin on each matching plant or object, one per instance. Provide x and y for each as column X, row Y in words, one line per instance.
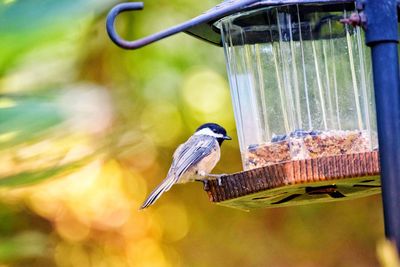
column 219, row 180
column 213, row 176
column 206, row 185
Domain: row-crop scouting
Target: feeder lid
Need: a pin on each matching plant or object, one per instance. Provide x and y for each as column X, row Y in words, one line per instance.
column 298, row 182
column 203, row 26
column 209, row 31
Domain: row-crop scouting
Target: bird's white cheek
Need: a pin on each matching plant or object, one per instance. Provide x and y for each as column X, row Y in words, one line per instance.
column 207, row 131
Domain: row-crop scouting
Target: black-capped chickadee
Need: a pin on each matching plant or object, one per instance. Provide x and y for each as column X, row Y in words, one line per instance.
column 192, row 160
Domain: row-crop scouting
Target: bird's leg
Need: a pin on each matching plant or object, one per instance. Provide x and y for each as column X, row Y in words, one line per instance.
column 215, row 176
column 203, row 178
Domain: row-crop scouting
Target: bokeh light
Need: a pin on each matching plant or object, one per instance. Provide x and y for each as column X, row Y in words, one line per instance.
column 157, row 127
column 206, row 96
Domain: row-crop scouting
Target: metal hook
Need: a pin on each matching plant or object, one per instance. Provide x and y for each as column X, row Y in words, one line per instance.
column 110, row 25
column 218, row 12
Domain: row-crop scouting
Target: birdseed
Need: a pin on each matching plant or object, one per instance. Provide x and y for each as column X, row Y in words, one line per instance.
column 305, row 145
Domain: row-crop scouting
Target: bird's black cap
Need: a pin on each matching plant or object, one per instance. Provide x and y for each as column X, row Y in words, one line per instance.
column 216, row 128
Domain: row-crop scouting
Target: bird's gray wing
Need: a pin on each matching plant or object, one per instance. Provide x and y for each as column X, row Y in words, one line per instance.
column 195, row 149
column 185, row 156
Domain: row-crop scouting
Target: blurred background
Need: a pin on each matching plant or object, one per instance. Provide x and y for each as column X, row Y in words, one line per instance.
column 87, row 130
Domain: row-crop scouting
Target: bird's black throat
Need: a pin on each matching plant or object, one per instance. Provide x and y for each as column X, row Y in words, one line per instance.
column 220, row 140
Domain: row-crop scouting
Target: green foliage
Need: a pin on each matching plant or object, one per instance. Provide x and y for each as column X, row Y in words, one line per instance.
column 38, row 175
column 25, row 25
column 26, row 119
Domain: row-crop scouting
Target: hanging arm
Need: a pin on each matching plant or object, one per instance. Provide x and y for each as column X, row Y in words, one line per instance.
column 214, row 14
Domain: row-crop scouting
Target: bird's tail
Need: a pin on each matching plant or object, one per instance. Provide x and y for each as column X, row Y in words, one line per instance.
column 158, row 191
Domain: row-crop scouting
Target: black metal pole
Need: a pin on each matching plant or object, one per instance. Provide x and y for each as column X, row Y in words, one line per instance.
column 382, row 37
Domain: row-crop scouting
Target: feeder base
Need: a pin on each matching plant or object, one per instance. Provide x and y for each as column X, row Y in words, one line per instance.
column 300, row 182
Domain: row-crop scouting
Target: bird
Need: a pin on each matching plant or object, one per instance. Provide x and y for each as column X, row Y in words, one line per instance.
column 192, row 160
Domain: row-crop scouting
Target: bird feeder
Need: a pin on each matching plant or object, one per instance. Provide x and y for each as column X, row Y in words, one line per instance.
column 301, row 88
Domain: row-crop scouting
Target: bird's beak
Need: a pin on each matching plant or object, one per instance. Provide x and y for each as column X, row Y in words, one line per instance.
column 226, row 137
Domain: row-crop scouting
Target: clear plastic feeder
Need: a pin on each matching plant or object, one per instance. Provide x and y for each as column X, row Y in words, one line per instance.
column 301, row 83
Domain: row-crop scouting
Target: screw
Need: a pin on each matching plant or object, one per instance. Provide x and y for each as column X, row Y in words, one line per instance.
column 355, row 19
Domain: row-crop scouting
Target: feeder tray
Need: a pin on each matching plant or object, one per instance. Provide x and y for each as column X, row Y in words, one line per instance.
column 299, row 182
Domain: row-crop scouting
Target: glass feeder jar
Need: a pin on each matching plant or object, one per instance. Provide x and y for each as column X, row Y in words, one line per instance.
column 301, row 83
